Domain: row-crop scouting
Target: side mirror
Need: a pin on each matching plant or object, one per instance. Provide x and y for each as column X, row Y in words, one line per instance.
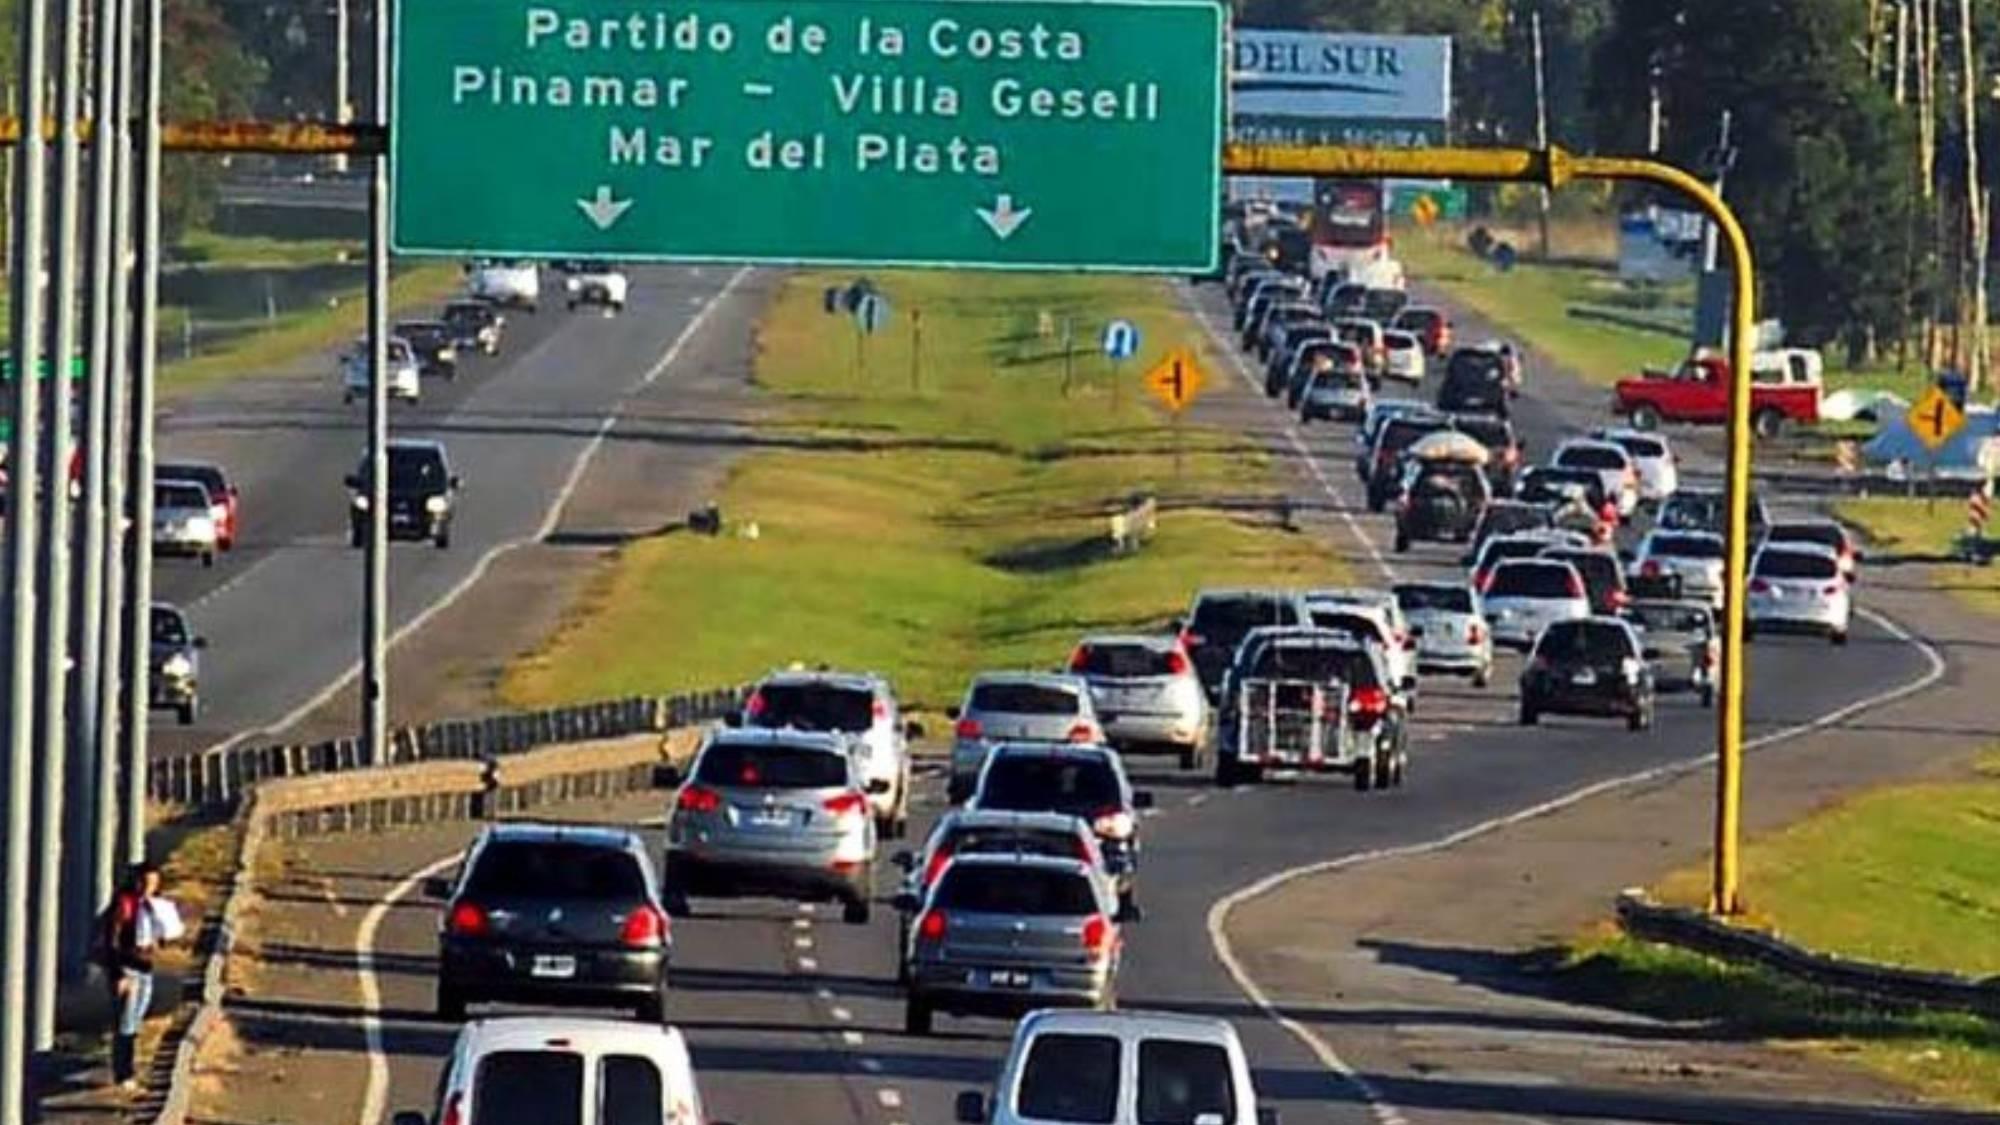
column 438, row 889
column 1409, row 683
column 732, row 720
column 666, row 776
column 969, row 1108
column 913, row 731
column 905, row 902
column 904, row 860
column 409, row 1117
column 952, row 712
column 879, row 786
column 200, row 642
column 1142, row 798
column 1650, row 652
column 352, row 480
column 457, row 482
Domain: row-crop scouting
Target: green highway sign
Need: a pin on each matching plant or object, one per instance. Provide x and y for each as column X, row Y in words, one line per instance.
column 1014, row 134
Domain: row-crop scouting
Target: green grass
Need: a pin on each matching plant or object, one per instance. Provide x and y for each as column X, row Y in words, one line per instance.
column 208, row 248
column 1532, row 302
column 1911, row 526
column 936, row 532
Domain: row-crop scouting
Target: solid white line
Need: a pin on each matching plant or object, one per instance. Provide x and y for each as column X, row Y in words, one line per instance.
column 375, row 1094
column 550, row 517
column 1384, row 1112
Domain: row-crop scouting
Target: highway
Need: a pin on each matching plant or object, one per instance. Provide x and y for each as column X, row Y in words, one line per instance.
column 795, row 1017
column 281, row 610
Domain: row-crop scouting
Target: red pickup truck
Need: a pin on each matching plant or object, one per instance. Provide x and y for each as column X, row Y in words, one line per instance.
column 1784, row 389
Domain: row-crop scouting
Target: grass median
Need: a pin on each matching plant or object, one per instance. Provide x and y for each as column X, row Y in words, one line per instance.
column 1924, row 528
column 931, row 523
column 1900, row 875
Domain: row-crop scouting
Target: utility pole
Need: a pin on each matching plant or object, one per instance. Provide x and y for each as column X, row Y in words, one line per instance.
column 23, row 469
column 375, row 593
column 343, row 100
column 1724, row 157
column 1655, row 111
column 146, row 327
column 51, row 839
column 1975, row 197
column 1902, row 80
column 1541, row 120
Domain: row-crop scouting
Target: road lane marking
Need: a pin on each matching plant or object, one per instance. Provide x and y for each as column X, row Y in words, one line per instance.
column 823, row 993
column 808, row 965
column 842, row 1015
column 851, row 1038
column 1197, row 800
column 872, row 1066
column 1385, row 1113
column 889, row 1098
column 802, row 923
column 802, row 943
column 550, row 518
column 375, row 1094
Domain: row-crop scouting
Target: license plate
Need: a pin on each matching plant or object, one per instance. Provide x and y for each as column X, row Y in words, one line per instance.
column 1009, row 978
column 553, row 967
column 773, row 818
column 1585, row 677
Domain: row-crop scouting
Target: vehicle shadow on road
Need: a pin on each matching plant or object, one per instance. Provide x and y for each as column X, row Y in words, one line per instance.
column 280, row 953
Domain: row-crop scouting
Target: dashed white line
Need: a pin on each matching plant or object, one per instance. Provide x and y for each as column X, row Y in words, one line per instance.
column 872, row 1066
column 802, row 943
column 842, row 1015
column 1197, row 800
column 823, row 993
column 851, row 1038
column 802, row 923
column 889, row 1098
column 808, row 965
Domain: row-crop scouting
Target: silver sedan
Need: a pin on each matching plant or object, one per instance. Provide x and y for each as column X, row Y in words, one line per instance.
column 1146, row 694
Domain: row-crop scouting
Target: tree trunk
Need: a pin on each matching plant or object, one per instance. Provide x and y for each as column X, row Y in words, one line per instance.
column 1975, row 201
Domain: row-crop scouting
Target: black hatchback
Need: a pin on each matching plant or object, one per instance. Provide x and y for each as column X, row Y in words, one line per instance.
column 1475, row 382
column 423, row 492
column 1592, row 666
column 553, row 914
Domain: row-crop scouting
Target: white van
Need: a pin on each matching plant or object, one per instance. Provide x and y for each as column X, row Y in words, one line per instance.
column 587, row 1071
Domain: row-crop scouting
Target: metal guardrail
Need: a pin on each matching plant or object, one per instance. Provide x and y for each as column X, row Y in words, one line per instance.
column 1892, row 984
column 219, row 779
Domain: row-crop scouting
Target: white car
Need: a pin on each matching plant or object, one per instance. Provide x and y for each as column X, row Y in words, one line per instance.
column 859, row 705
column 1610, row 462
column 1525, row 596
column 596, row 283
column 1450, row 628
column 1826, row 533
column 1119, row 1068
column 584, row 1071
column 1658, row 468
column 1696, row 556
column 1799, row 588
column 184, row 520
column 405, row 375
column 1380, row 606
column 518, row 284
column 1406, row 356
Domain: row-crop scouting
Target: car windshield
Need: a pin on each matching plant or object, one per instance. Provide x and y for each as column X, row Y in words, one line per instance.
column 1020, row 890
column 414, row 469
column 1692, row 513
column 545, row 1087
column 1073, row 784
column 1227, row 619
column 1592, row 457
column 1670, row 618
column 823, row 707
column 1687, row 546
column 178, row 495
column 1534, row 580
column 740, row 765
column 1795, row 564
column 1118, row 661
column 1416, row 597
column 169, row 628
column 1024, row 699
column 1070, row 1078
column 1585, row 642
column 555, row 869
column 1181, row 1083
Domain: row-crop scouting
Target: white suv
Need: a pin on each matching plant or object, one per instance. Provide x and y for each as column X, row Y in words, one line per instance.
column 506, row 283
column 862, row 707
column 587, row 1071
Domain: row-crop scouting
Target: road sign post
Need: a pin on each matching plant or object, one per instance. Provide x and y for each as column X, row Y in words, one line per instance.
column 1120, row 343
column 1176, row 381
column 1934, row 418
column 1002, row 133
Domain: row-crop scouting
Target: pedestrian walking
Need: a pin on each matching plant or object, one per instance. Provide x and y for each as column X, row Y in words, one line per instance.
column 137, row 924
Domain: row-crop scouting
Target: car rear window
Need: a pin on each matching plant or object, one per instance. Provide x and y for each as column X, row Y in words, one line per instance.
column 1674, row 618
column 1081, row 785
column 1179, row 1082
column 1474, row 365
column 1008, row 889
column 1544, row 486
column 629, row 1091
column 1824, row 534
column 1592, row 457
column 820, row 707
column 1417, row 597
column 207, row 476
column 1320, row 663
column 1687, row 546
column 555, row 869
column 1643, row 446
column 1024, row 699
column 1584, row 641
column 1070, row 1078
column 1533, row 580
column 1491, row 433
column 545, row 1087
column 1119, row 661
column 1229, row 617
column 1014, row 841
column 1692, row 513
column 1402, row 342
column 1349, row 622
column 180, row 496
column 1505, row 517
column 1401, row 433
column 742, row 766
column 1597, row 568
column 1419, row 319
column 1795, row 564
column 1500, row 550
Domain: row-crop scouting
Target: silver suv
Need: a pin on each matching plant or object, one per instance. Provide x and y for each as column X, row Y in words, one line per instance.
column 1146, row 693
column 779, row 813
column 1017, row 707
column 860, row 705
column 1005, row 934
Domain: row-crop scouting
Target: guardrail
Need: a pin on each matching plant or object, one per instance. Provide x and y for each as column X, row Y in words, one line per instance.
column 1893, row 984
column 219, row 779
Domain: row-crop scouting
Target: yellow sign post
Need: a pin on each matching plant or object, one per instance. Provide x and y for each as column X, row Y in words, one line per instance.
column 1935, row 418
column 1177, row 380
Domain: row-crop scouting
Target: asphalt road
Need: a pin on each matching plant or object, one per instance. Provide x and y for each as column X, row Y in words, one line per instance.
column 795, row 1017
column 281, row 611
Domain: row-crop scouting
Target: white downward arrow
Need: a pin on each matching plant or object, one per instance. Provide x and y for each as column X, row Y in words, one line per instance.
column 1002, row 218
column 604, row 210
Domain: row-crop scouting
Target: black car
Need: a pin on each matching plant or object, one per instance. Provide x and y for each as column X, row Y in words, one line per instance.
column 1475, row 382
column 1385, row 457
column 1345, row 299
column 1706, row 510
column 1592, row 666
column 1603, row 576
column 422, row 494
column 1300, row 336
column 1508, row 517
column 1086, row 782
column 1442, row 500
column 553, row 914
column 1221, row 619
column 475, row 325
column 435, row 344
column 173, row 670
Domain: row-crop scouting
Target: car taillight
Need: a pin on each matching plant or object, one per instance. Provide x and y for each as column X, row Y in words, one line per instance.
column 1511, row 455
column 1113, row 824
column 645, row 927
column 1608, row 513
column 1191, row 640
column 1835, row 588
column 467, row 919
column 1539, row 664
column 1085, row 732
column 1097, row 934
column 845, row 804
column 939, row 860
column 968, row 728
column 1079, row 660
column 1620, row 598
column 1408, row 642
column 754, row 706
column 1651, row 569
column 1368, row 704
column 1575, row 586
column 1484, row 580
column 1708, row 658
column 454, row 1109
column 1177, row 664
column 878, row 710
column 698, row 799
column 1759, row 586
column 932, row 926
column 1473, row 633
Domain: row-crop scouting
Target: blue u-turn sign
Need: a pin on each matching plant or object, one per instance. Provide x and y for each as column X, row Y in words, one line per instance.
column 1121, row 339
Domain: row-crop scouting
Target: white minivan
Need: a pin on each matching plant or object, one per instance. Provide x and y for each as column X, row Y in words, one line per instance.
column 587, row 1071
